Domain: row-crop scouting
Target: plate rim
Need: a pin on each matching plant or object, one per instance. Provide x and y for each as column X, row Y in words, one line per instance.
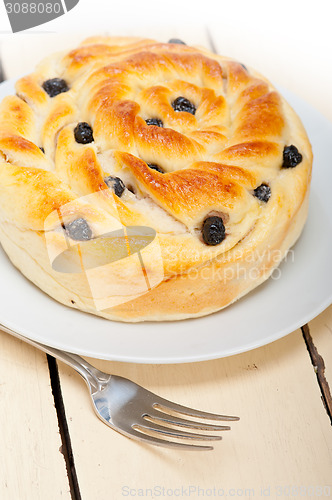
column 168, row 361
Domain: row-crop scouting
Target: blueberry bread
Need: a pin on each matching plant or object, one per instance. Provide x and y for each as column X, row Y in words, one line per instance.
column 149, row 181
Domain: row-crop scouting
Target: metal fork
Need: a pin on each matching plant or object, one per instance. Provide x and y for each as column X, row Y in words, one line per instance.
column 134, row 411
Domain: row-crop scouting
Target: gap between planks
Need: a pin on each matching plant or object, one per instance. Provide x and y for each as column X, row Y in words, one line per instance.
column 319, row 367
column 66, row 450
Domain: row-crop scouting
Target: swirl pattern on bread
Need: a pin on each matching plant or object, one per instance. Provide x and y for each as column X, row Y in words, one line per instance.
column 128, row 132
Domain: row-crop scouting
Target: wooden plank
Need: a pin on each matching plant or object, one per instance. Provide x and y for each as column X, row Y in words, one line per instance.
column 283, row 438
column 32, row 466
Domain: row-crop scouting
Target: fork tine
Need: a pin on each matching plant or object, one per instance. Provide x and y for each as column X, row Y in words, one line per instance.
column 133, row 433
column 147, row 438
column 167, row 432
column 190, row 424
column 166, row 406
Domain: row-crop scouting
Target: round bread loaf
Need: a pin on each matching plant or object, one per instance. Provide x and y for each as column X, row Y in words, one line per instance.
column 149, row 181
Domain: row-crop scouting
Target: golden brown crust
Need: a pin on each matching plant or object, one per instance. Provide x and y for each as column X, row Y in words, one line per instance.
column 211, row 160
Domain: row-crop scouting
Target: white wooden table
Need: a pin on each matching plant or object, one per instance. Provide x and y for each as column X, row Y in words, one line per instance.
column 52, row 446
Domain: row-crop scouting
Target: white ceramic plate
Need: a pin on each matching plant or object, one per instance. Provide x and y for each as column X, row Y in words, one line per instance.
column 271, row 311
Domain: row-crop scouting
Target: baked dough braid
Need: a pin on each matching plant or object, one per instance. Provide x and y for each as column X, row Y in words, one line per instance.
column 199, row 154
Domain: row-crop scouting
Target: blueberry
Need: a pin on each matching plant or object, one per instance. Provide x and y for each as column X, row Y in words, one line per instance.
column 183, row 104
column 155, row 167
column 116, row 184
column 213, row 231
column 154, row 121
column 176, row 40
column 291, row 157
column 78, row 230
column 263, row 192
column 83, row 133
column 55, row 86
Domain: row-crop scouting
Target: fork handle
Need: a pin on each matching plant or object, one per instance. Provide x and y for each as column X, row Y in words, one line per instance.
column 92, row 376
